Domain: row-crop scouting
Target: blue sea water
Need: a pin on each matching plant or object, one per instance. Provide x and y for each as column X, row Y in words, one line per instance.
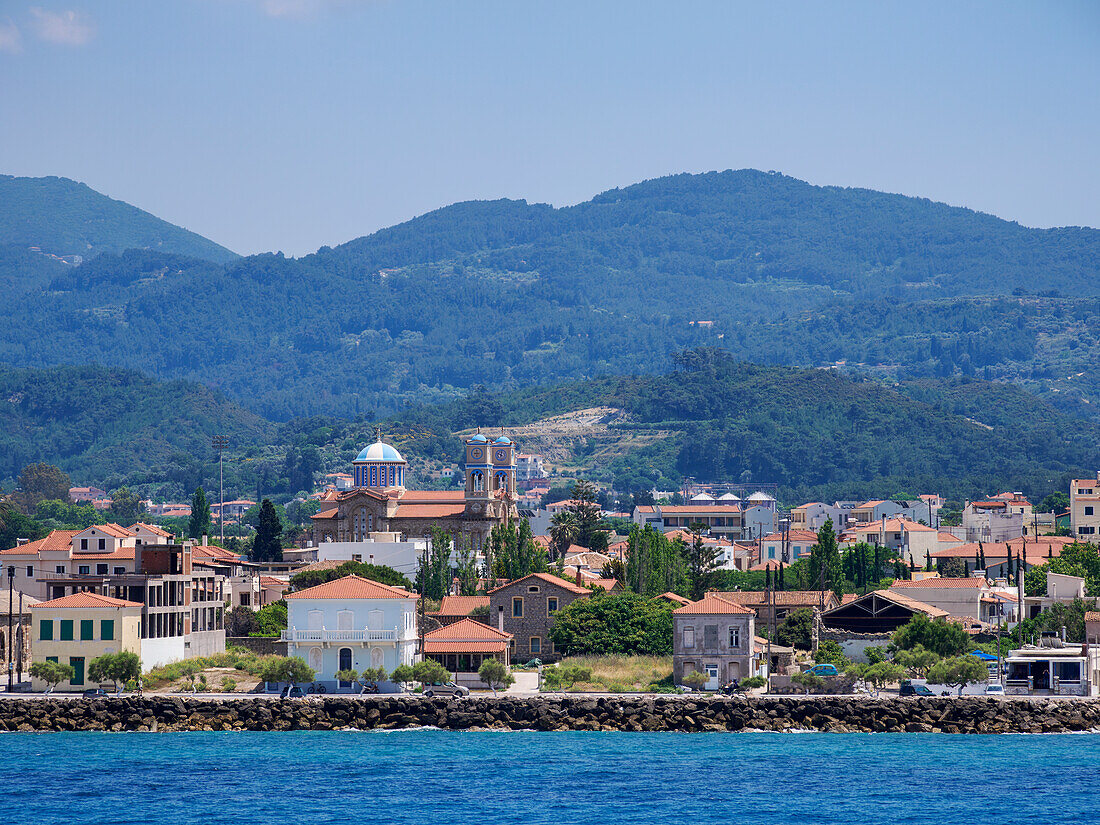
column 432, row 777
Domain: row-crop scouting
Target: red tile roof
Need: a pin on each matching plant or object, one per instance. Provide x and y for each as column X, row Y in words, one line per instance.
column 974, row 582
column 110, row 529
column 57, row 541
column 674, row 597
column 549, row 579
column 352, row 587
column 712, row 604
column 466, row 636
column 151, row 528
column 86, row 600
column 432, row 511
column 426, row 496
column 792, row 535
column 326, row 513
column 1092, row 616
column 784, row 598
column 461, row 605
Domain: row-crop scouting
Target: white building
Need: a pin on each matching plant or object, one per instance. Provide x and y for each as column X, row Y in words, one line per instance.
column 351, row 624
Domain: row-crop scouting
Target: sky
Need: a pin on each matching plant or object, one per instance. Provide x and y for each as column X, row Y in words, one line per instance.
column 284, row 125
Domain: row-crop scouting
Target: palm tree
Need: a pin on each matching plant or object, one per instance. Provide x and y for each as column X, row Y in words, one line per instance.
column 563, row 532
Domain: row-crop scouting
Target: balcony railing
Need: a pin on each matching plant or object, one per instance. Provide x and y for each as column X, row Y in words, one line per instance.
column 306, row 636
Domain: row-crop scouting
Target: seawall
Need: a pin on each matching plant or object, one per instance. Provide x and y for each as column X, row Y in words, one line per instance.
column 554, row 713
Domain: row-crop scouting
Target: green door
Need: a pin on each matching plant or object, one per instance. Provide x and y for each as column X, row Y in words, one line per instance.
column 78, row 670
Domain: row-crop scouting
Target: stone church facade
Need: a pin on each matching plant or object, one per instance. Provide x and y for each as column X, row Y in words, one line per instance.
column 379, row 502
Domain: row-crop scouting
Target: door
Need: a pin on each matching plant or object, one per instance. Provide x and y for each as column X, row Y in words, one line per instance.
column 345, row 663
column 712, row 677
column 78, row 670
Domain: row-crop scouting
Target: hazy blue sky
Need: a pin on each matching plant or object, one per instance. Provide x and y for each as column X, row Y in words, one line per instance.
column 287, row 124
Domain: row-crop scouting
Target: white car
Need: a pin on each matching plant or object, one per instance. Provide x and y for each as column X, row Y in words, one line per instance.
column 994, row 690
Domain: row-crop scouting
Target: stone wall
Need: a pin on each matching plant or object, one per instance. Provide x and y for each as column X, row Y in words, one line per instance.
column 630, row 713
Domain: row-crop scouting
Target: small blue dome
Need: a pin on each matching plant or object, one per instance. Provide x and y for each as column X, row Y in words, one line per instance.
column 379, row 452
column 479, row 439
column 502, row 440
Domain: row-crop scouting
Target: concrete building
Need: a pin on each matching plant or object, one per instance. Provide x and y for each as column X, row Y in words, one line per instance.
column 78, row 628
column 910, row 539
column 967, row 598
column 720, row 519
column 789, row 547
column 714, row 637
column 1053, row 668
column 992, row 520
column 1084, row 508
column 351, row 624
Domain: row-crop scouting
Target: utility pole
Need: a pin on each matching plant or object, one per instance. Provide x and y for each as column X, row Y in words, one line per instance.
column 220, row 443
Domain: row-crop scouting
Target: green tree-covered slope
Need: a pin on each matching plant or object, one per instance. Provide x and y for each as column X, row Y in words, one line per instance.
column 105, row 425
column 64, row 217
column 510, row 294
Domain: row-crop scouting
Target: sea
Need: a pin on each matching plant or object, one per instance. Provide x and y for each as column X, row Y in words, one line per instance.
column 435, row 777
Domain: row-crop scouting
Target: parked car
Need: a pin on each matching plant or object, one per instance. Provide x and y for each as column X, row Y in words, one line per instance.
column 292, row 692
column 92, row 693
column 994, row 690
column 909, row 689
column 445, row 689
column 824, row 670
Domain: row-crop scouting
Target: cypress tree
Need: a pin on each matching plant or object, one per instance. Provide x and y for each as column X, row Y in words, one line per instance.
column 268, row 546
column 199, row 524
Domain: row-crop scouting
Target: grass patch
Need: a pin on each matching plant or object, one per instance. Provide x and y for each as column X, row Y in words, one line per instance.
column 623, row 674
column 235, row 657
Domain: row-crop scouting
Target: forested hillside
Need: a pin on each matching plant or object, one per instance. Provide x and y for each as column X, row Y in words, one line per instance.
column 63, row 217
column 105, row 426
column 509, row 294
column 816, row 433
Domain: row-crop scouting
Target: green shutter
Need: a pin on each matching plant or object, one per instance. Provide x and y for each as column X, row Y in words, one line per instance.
column 66, row 630
column 51, row 658
column 45, row 630
column 87, row 630
column 107, row 629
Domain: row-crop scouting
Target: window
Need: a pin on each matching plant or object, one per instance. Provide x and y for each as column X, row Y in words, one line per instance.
column 83, row 544
column 87, row 630
column 101, row 570
column 59, row 568
column 710, row 636
column 51, row 658
column 45, row 630
column 103, row 544
column 532, row 588
column 66, row 630
column 1086, row 530
column 536, row 644
column 30, row 571
column 735, row 638
column 552, row 604
column 1069, row 671
column 119, row 571
column 1088, row 510
column 84, row 569
column 689, row 637
column 517, row 607
column 107, row 629
column 246, row 599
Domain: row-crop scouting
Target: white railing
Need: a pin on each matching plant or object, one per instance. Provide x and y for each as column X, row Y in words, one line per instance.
column 304, row 636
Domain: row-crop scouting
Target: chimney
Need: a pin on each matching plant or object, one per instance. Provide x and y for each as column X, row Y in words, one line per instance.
column 205, row 540
column 21, row 542
column 500, row 618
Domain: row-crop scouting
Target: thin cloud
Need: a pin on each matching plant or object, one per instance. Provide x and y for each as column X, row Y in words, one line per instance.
column 10, row 41
column 301, row 8
column 65, row 28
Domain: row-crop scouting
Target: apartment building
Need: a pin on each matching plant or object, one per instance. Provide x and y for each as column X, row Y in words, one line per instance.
column 1084, row 508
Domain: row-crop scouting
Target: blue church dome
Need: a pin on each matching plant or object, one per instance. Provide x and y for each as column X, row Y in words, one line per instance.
column 379, row 452
column 503, row 440
column 479, row 439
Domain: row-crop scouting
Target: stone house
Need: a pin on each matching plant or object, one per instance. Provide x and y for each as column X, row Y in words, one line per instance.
column 713, row 636
column 526, row 607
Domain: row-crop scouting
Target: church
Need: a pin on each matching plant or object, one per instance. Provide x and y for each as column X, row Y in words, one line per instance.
column 379, row 503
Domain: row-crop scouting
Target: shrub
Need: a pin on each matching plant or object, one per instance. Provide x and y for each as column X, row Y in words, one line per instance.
column 495, row 674
column 229, row 684
column 52, row 673
column 753, row 682
column 696, row 679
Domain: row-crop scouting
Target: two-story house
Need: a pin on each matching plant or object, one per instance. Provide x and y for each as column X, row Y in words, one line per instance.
column 526, row 607
column 715, row 637
column 787, row 547
column 80, row 627
column 1084, row 508
column 351, row 624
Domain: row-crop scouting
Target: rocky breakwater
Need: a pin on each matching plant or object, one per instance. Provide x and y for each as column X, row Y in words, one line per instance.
column 555, row 713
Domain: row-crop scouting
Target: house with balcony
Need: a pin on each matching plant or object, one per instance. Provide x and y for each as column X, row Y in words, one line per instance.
column 351, row 624
column 715, row 637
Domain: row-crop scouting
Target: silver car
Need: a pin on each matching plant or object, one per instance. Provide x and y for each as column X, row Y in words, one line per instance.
column 445, row 689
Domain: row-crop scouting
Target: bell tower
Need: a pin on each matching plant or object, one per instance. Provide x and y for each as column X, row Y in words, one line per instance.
column 479, row 476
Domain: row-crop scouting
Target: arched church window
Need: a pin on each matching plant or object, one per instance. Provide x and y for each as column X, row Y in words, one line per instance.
column 502, row 481
column 478, row 481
